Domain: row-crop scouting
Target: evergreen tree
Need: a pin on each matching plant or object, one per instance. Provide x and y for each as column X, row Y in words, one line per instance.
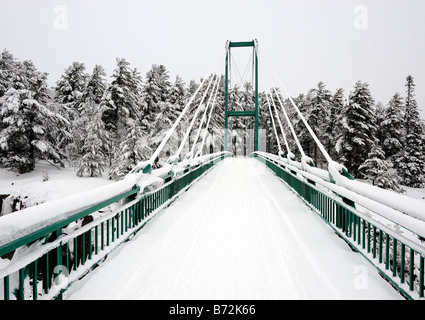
column 122, row 100
column 335, row 119
column 164, row 119
column 215, row 135
column 410, row 163
column 96, row 85
column 376, row 170
column 303, row 103
column 87, row 107
column 26, row 128
column 70, row 87
column 134, row 148
column 356, row 136
column 318, row 116
column 391, row 128
column 7, row 71
column 380, row 117
column 177, row 95
column 95, row 144
column 22, row 75
column 121, row 103
column 155, row 91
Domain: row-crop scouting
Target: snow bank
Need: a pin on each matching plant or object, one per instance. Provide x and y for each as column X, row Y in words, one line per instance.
column 21, row 223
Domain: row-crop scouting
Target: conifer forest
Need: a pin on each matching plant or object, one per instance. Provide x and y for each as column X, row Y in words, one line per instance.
column 104, row 125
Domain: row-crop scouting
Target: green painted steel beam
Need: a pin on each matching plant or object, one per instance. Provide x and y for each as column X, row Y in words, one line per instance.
column 241, row 44
column 226, row 94
column 241, row 113
column 256, row 104
column 226, row 101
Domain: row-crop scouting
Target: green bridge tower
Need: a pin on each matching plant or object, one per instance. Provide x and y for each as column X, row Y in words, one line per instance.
column 250, row 113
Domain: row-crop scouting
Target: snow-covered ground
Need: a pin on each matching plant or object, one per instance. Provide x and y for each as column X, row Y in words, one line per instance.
column 61, row 183
column 238, row 233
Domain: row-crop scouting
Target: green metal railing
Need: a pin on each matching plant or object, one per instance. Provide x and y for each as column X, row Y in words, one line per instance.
column 398, row 256
column 50, row 260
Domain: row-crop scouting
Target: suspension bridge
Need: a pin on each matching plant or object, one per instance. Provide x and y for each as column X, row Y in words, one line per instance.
column 212, row 226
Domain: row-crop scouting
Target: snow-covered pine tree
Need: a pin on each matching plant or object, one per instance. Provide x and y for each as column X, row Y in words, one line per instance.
column 304, row 137
column 70, row 87
column 380, row 117
column 357, row 133
column 167, row 111
column 96, row 85
column 177, row 95
column 165, row 118
column 121, row 102
column 22, row 75
column 410, row 163
column 376, row 170
column 334, row 120
column 87, row 106
column 7, row 71
column 26, row 128
column 178, row 99
column 391, row 128
column 318, row 117
column 18, row 75
column 134, row 148
column 156, row 90
column 96, row 141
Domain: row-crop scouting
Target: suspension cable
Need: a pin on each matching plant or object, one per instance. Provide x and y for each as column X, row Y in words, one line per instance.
column 158, row 150
column 274, row 126
column 300, row 148
column 310, row 130
column 281, row 127
column 203, row 118
column 208, row 122
column 177, row 154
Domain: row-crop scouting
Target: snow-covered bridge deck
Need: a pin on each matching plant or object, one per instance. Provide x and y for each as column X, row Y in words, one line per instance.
column 239, row 233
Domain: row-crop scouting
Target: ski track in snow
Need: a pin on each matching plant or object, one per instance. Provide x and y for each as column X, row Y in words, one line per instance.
column 238, row 233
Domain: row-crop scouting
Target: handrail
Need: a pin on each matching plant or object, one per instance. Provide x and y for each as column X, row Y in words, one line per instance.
column 397, row 255
column 386, row 211
column 56, row 250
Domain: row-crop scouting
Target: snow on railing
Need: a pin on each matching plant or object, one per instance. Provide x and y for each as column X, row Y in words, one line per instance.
column 26, row 221
column 43, row 233
column 392, row 240
column 398, row 208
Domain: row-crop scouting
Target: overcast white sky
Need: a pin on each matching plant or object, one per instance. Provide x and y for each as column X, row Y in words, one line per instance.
column 306, row 41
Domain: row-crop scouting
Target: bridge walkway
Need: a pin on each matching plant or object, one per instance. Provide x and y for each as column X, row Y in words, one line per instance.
column 238, row 233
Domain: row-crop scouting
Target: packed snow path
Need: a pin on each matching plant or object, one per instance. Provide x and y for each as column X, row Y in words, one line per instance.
column 238, row 233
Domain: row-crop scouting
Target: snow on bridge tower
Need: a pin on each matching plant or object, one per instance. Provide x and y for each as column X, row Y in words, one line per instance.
column 244, row 113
